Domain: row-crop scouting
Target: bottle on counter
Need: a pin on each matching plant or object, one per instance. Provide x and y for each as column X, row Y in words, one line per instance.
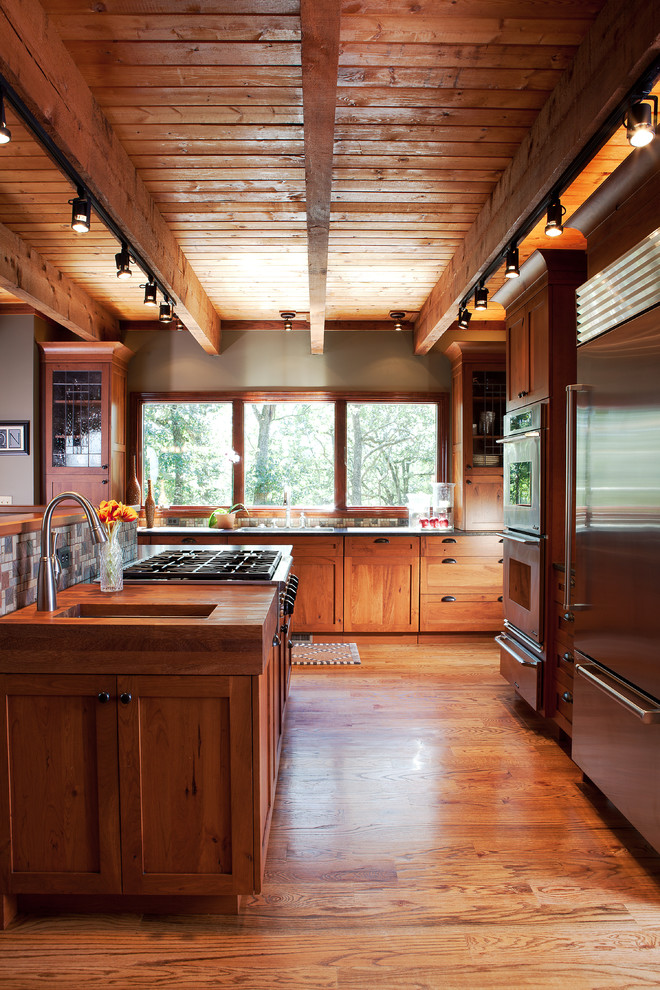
column 133, row 490
column 150, row 505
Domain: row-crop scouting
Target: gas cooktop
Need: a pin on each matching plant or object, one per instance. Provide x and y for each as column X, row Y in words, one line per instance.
column 227, row 564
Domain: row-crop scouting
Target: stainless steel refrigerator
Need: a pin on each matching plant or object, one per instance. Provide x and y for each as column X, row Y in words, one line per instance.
column 615, row 601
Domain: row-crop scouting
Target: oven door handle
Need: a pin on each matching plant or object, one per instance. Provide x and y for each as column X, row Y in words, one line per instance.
column 623, row 695
column 529, row 540
column 530, row 435
column 532, row 662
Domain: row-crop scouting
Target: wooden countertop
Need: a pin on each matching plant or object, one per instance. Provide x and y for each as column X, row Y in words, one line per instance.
column 175, row 629
column 27, row 519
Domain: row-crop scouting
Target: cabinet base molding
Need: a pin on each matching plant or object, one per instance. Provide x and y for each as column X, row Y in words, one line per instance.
column 8, row 910
column 126, row 903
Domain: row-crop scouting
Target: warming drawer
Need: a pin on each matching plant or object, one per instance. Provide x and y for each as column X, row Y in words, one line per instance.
column 616, row 743
column 522, row 670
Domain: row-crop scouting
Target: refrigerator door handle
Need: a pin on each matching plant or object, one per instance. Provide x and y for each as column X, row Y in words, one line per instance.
column 569, row 507
column 635, row 703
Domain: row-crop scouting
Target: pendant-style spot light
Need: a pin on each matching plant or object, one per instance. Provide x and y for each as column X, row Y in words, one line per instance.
column 553, row 227
column 397, row 315
column 165, row 313
column 481, row 297
column 81, row 211
column 150, row 292
column 464, row 317
column 123, row 262
column 642, row 122
column 512, row 263
column 288, row 316
column 5, row 133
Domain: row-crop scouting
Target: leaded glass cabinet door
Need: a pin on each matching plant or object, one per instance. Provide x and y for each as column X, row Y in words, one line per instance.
column 84, row 421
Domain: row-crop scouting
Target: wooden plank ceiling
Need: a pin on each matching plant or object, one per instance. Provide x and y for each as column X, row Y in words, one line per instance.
column 431, row 100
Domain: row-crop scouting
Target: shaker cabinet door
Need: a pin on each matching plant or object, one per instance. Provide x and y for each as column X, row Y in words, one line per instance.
column 59, row 807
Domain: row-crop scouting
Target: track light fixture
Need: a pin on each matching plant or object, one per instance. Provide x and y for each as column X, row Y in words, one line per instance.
column 288, row 316
column 5, row 133
column 642, row 122
column 481, row 297
column 512, row 262
column 464, row 317
column 556, row 211
column 397, row 315
column 81, row 211
column 165, row 313
column 150, row 291
column 123, row 262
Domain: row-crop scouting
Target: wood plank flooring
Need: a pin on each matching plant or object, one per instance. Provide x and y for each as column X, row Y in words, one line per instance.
column 429, row 834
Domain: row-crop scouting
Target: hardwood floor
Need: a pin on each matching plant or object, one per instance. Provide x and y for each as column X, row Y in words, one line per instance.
column 429, row 834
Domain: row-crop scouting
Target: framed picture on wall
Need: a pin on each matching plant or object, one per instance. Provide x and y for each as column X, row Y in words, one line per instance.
column 14, row 437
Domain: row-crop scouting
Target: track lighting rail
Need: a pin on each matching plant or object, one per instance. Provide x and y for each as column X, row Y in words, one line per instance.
column 67, row 169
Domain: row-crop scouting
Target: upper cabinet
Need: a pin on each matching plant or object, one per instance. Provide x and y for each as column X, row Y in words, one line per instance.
column 84, row 419
column 540, row 323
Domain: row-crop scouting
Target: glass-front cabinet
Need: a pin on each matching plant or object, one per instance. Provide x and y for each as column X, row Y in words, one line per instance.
column 478, row 405
column 84, row 419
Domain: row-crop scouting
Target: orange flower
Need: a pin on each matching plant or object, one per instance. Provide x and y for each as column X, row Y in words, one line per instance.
column 113, row 512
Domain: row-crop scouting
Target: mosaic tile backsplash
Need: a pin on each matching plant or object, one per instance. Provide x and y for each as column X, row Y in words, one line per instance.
column 19, row 561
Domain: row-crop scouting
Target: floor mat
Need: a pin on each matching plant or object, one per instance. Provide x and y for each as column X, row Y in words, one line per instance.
column 325, row 654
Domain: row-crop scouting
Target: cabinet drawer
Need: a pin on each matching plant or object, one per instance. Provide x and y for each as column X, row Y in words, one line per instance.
column 559, row 583
column 367, row 546
column 468, row 613
column 178, row 539
column 521, row 670
column 480, row 575
column 462, row 545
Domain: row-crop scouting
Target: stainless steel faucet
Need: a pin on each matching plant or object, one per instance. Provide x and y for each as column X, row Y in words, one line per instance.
column 49, row 564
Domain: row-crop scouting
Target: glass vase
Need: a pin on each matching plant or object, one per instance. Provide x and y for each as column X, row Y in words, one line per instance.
column 111, row 566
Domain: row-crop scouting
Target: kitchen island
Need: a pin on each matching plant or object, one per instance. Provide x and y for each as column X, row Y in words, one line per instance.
column 140, row 748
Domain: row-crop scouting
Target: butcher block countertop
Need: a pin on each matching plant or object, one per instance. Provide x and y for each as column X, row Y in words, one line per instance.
column 144, row 629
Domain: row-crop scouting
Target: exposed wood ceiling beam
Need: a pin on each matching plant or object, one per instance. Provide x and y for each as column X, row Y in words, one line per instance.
column 320, row 59
column 25, row 274
column 37, row 65
column 621, row 44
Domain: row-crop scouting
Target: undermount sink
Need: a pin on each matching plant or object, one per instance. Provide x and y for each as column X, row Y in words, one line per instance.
column 138, row 610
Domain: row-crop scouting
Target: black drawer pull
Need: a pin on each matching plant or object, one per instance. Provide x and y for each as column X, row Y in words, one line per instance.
column 381, row 539
column 448, row 598
column 126, row 698
column 568, row 657
column 568, row 697
column 449, row 560
column 189, row 539
column 449, row 539
column 104, row 697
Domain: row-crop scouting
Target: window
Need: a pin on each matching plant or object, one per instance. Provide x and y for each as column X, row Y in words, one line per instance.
column 186, row 451
column 334, row 451
column 289, row 444
column 391, row 451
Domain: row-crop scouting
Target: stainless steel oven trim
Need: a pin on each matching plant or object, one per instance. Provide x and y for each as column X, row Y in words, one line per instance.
column 620, row 692
column 518, row 634
column 504, row 643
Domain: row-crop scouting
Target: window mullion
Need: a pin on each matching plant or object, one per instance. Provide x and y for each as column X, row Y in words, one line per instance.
column 340, row 454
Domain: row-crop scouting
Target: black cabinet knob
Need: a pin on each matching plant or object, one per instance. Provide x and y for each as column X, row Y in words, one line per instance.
column 568, row 697
column 521, row 395
column 501, row 560
column 568, row 616
column 104, row 481
column 500, row 598
column 125, row 698
column 568, row 657
column 276, row 640
column 468, row 482
column 104, row 467
column 104, row 697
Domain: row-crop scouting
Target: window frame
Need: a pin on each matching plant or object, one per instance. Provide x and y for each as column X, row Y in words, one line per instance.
column 339, row 397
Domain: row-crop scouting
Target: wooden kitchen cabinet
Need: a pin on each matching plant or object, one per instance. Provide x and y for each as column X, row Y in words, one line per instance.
column 318, row 563
column 461, row 583
column 540, row 324
column 84, row 419
column 478, row 399
column 561, row 666
column 171, row 752
column 381, row 584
